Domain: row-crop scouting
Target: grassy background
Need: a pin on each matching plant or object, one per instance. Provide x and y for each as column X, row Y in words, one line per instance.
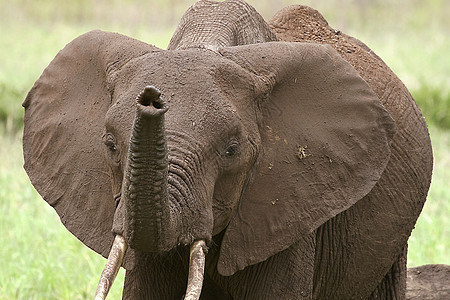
column 42, row 260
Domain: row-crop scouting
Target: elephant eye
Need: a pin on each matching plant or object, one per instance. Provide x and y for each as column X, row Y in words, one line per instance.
column 110, row 142
column 232, row 149
column 111, row 146
column 112, row 152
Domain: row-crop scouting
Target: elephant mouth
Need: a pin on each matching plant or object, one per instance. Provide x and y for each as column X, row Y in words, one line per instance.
column 197, row 255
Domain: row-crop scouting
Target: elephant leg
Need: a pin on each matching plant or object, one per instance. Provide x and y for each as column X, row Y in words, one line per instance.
column 212, row 291
column 165, row 277
column 156, row 277
column 286, row 275
column 393, row 285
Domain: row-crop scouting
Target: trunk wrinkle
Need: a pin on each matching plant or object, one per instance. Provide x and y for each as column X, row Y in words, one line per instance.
column 148, row 218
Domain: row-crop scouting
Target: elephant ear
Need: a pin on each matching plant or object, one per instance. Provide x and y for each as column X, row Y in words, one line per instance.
column 325, row 143
column 64, row 123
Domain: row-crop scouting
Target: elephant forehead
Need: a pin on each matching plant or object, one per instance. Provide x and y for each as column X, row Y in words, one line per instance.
column 187, row 80
column 175, row 68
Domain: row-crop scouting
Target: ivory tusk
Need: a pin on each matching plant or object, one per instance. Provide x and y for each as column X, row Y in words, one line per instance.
column 112, row 267
column 196, row 270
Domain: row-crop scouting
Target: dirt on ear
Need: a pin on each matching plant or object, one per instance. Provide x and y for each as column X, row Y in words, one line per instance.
column 428, row 282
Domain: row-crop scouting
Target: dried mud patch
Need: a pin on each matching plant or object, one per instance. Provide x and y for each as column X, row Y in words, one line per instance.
column 428, row 282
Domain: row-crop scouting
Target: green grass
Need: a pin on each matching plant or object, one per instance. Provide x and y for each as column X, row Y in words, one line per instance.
column 435, row 103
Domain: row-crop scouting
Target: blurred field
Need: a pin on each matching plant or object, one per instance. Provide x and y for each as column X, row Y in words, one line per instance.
column 411, row 36
column 41, row 260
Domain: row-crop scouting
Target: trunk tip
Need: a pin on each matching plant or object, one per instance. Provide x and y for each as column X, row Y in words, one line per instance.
column 151, row 97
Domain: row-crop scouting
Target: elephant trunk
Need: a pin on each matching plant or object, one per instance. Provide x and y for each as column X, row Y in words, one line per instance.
column 148, row 220
column 149, row 224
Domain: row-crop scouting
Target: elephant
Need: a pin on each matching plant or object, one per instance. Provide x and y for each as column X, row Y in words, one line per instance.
column 249, row 160
column 428, row 282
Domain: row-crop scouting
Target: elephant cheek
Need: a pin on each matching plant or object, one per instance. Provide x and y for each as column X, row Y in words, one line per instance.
column 221, row 219
column 119, row 217
column 116, row 177
column 226, row 197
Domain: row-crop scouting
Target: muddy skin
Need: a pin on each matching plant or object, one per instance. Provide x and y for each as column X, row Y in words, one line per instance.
column 428, row 282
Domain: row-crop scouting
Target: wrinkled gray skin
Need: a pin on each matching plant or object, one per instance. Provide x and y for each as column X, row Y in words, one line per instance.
column 207, row 155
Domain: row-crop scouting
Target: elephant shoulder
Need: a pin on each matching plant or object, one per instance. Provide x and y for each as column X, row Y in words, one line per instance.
column 300, row 23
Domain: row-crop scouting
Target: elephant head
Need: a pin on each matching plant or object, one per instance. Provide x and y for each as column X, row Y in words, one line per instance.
column 262, row 142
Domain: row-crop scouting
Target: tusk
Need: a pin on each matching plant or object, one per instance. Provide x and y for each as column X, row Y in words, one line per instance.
column 196, row 270
column 112, row 267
